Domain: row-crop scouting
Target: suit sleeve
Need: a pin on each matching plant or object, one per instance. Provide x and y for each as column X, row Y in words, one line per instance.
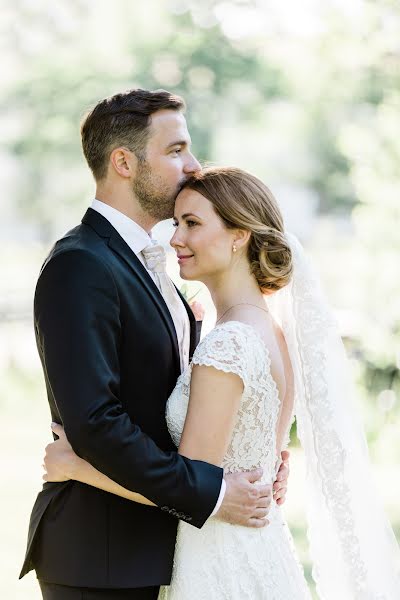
column 78, row 330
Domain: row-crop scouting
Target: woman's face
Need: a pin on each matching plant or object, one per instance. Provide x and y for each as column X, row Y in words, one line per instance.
column 202, row 242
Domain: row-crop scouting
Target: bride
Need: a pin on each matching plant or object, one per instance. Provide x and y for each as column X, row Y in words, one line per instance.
column 273, row 355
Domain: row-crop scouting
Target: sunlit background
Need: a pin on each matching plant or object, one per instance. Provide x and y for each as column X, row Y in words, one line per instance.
column 303, row 94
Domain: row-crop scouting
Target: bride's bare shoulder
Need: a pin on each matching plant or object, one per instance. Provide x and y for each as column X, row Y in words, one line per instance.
column 260, row 320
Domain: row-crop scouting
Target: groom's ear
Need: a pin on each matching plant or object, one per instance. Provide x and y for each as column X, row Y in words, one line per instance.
column 123, row 162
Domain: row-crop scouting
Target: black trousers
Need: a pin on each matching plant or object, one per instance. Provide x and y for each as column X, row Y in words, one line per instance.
column 52, row 591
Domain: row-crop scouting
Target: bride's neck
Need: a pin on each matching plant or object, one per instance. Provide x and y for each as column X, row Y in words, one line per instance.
column 232, row 289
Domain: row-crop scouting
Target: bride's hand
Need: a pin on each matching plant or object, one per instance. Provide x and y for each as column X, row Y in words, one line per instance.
column 60, row 461
column 280, row 485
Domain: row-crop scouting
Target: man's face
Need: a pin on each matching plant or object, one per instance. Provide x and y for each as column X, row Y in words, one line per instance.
column 168, row 164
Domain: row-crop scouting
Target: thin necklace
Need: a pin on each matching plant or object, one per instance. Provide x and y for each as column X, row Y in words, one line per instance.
column 241, row 304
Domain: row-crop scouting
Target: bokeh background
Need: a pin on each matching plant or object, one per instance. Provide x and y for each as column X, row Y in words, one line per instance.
column 303, row 94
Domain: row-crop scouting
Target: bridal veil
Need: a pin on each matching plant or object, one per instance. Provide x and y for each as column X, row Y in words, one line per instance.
column 354, row 552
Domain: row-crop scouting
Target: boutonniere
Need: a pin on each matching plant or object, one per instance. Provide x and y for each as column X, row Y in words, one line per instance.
column 189, row 296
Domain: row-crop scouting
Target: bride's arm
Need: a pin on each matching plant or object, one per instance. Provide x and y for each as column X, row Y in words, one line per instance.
column 210, row 420
column 61, row 463
column 213, row 406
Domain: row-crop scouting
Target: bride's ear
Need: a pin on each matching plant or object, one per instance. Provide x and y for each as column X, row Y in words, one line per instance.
column 241, row 238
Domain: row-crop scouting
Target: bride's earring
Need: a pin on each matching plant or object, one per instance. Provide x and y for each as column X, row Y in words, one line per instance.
column 234, row 248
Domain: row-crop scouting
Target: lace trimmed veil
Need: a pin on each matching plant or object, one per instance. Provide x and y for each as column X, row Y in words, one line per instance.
column 354, row 552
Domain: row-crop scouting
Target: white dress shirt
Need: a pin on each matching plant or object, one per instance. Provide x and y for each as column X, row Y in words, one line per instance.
column 137, row 239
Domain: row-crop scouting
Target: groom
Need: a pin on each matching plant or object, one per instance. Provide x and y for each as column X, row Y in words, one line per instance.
column 112, row 347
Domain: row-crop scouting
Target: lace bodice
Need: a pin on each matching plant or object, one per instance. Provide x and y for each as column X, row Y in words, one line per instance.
column 220, row 560
column 354, row 551
column 235, row 347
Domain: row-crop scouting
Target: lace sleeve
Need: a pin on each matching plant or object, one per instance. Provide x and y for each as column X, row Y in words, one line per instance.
column 226, row 349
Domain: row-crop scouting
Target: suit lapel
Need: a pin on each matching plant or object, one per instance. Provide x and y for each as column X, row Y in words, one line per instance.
column 104, row 228
column 193, row 326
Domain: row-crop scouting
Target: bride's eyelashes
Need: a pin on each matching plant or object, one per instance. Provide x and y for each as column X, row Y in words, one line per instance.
column 189, row 222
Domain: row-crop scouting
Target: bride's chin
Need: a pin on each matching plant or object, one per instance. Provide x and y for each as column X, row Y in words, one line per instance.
column 185, row 276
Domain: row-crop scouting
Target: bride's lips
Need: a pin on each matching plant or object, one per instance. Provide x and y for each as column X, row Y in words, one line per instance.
column 182, row 258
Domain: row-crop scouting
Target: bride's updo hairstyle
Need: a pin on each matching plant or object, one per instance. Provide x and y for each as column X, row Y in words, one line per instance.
column 243, row 202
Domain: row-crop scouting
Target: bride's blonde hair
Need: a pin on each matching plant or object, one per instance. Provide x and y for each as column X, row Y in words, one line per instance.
column 243, row 202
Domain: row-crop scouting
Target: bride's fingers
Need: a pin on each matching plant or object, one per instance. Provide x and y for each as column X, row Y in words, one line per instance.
column 283, row 472
column 280, row 495
column 280, row 499
column 285, row 454
column 44, row 476
column 279, row 485
column 59, row 430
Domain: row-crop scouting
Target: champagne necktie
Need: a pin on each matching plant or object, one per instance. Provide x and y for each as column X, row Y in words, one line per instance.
column 156, row 261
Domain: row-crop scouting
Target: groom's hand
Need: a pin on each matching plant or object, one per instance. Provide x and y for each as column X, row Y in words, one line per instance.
column 245, row 503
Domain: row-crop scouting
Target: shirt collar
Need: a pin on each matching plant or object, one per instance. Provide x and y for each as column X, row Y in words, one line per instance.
column 133, row 234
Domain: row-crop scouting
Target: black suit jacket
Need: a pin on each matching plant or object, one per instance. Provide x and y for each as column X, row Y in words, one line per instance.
column 110, row 359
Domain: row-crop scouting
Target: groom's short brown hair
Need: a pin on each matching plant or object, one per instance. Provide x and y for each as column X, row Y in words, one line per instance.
column 122, row 120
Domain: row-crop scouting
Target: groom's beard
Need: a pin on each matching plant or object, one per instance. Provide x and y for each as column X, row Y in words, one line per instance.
column 155, row 198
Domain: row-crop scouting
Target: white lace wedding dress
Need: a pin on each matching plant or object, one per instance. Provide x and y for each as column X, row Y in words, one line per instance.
column 223, row 561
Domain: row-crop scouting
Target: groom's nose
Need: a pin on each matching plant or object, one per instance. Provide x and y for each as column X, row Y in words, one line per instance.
column 192, row 165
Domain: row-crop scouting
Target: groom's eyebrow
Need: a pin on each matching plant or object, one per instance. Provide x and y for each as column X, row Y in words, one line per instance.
column 179, row 143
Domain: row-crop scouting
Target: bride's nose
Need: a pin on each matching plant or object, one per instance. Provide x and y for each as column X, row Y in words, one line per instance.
column 176, row 240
